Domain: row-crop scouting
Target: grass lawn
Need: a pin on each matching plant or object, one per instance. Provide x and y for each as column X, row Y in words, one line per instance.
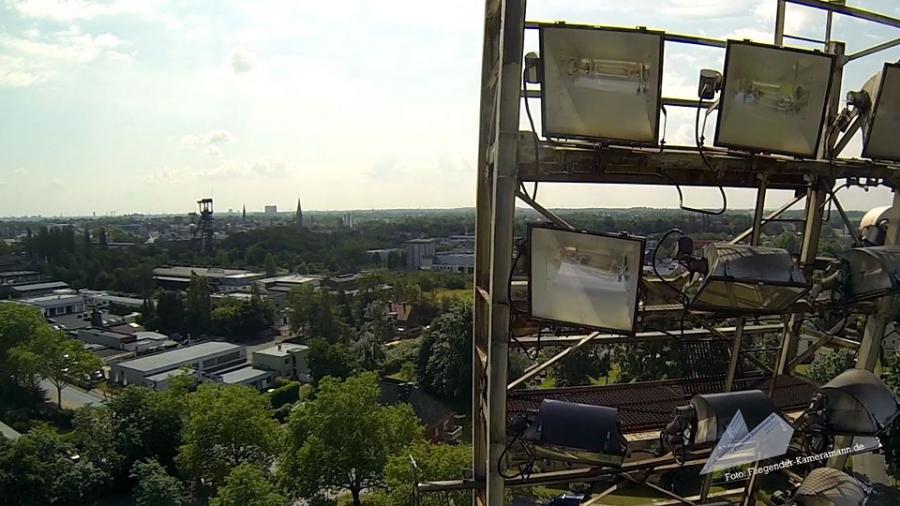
column 461, row 294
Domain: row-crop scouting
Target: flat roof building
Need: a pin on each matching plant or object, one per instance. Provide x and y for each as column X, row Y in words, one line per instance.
column 179, row 277
column 287, row 360
column 37, row 289
column 247, row 376
column 204, row 357
column 56, row 305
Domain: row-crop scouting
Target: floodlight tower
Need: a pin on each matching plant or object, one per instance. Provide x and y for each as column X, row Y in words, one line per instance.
column 205, row 225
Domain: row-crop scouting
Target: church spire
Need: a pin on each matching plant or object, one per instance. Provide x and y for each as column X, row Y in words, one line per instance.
column 298, row 218
column 244, row 213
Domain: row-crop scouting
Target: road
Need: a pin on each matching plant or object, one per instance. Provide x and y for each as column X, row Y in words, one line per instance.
column 72, row 396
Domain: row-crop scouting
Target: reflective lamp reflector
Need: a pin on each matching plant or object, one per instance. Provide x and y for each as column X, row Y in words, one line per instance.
column 871, row 272
column 880, row 129
column 858, row 403
column 773, row 99
column 584, row 279
column 577, row 433
column 746, row 279
column 601, row 83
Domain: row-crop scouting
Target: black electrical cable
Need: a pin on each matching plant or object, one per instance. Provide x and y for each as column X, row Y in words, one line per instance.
column 537, row 151
column 524, row 469
column 699, row 140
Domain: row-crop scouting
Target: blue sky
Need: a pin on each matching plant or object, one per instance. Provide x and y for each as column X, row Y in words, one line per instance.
column 147, row 105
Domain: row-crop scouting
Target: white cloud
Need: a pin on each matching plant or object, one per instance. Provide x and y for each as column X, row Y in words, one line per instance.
column 216, row 136
column 225, row 170
column 55, row 184
column 241, row 60
column 212, row 151
column 66, row 46
column 709, row 9
column 72, row 10
column 18, row 72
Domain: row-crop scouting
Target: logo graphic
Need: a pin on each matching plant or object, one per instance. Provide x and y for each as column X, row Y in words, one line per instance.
column 739, row 446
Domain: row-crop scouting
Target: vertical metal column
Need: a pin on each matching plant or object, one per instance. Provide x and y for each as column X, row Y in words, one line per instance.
column 779, row 22
column 870, row 347
column 497, row 181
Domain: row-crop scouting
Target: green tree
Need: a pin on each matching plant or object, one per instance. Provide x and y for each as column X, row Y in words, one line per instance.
column 148, row 423
column 19, row 324
column 343, row 438
column 148, row 313
column 87, row 242
column 444, row 366
column 434, row 462
column 269, row 265
column 104, row 242
column 313, row 313
column 169, row 312
column 96, row 433
column 578, row 367
column 155, row 486
column 332, row 360
column 61, row 360
column 246, row 485
column 198, row 305
column 227, row 426
column 829, row 364
column 38, row 469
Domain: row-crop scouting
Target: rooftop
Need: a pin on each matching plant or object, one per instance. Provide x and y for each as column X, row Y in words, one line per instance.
column 289, row 278
column 248, row 373
column 49, row 285
column 51, row 299
column 168, row 374
column 208, row 272
column 180, row 356
column 283, row 349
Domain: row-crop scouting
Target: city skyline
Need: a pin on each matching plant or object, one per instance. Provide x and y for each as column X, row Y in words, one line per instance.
column 145, row 107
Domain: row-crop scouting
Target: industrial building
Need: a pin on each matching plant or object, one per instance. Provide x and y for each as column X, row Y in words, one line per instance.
column 102, row 300
column 203, row 357
column 451, row 262
column 223, row 280
column 20, row 277
column 417, row 251
column 37, row 289
column 288, row 360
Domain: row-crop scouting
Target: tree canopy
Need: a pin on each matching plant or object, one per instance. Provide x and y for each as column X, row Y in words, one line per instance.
column 343, row 438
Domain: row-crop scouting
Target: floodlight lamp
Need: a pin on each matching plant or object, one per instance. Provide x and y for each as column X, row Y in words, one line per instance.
column 706, row 419
column 873, row 226
column 870, row 272
column 855, row 402
column 746, row 279
column 601, row 83
column 584, row 279
column 773, row 99
column 577, row 433
column 882, row 120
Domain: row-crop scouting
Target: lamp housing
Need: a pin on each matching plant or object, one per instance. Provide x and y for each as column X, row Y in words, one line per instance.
column 871, row 272
column 746, row 280
column 601, row 83
column 584, row 279
column 773, row 99
column 882, row 120
column 577, row 433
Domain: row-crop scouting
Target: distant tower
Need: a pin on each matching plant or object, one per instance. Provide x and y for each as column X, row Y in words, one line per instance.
column 298, row 218
column 205, row 225
column 244, row 213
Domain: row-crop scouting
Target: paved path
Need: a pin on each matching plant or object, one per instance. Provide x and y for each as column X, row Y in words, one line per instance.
column 72, row 396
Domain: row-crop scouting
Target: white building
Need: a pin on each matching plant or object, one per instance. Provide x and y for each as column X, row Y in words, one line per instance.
column 452, row 262
column 201, row 357
column 57, row 304
column 271, row 210
column 247, row 376
column 102, row 300
column 288, row 360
